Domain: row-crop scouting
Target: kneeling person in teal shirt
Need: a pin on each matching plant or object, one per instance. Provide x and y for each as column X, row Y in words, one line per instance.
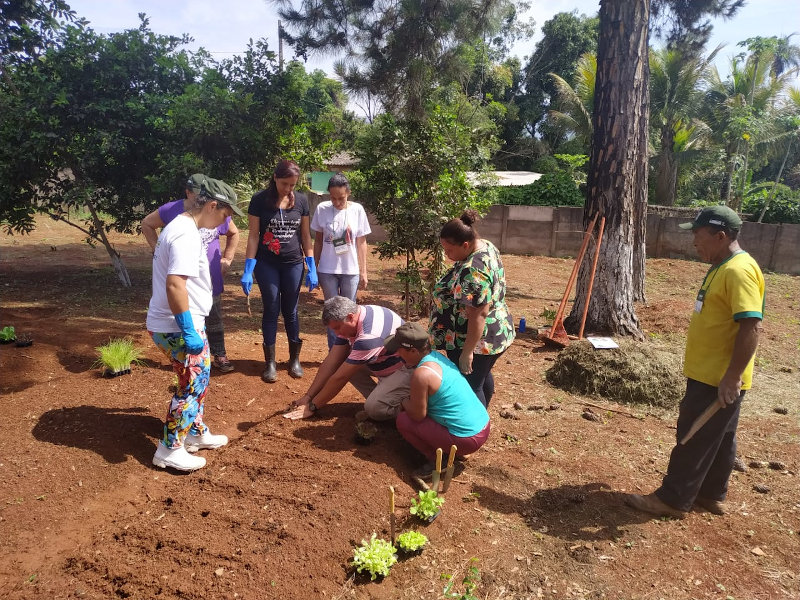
column 442, row 409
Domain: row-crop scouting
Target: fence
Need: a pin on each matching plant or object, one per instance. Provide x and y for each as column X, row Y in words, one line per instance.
column 558, row 231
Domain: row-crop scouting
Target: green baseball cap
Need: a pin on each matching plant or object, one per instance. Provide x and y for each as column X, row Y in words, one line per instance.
column 715, row 216
column 195, row 182
column 408, row 335
column 221, row 192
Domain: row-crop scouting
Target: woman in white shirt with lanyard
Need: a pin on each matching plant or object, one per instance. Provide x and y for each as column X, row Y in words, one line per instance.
column 340, row 244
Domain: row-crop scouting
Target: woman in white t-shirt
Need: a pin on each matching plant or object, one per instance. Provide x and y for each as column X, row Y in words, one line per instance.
column 340, row 243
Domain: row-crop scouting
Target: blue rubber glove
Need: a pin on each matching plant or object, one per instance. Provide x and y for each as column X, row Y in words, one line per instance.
column 191, row 339
column 311, row 277
column 247, row 276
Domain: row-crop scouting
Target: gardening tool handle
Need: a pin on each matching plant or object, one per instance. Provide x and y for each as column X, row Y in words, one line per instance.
column 391, row 499
column 591, row 276
column 439, row 459
column 578, row 261
column 451, row 458
column 700, row 421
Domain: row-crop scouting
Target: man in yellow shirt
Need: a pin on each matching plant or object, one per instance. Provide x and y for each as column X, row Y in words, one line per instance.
column 718, row 363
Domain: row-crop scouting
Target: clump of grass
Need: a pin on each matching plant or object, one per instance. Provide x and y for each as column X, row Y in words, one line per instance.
column 637, row 373
column 118, row 355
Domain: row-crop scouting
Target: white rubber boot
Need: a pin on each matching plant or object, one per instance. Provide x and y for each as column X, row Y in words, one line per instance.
column 177, row 458
column 208, row 440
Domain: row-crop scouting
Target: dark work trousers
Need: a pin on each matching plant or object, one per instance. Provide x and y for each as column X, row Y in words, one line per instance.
column 701, row 467
column 280, row 291
column 480, row 380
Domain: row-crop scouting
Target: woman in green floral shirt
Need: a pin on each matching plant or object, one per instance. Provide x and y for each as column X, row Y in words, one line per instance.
column 470, row 320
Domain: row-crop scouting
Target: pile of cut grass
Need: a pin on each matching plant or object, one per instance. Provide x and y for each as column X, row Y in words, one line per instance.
column 635, row 373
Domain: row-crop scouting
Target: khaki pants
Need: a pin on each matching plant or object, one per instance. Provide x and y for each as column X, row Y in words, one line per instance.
column 382, row 399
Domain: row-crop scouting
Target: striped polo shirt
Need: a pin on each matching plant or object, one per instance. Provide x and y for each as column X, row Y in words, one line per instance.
column 375, row 323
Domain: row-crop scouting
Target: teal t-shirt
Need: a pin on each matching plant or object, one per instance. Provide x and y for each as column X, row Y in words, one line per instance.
column 454, row 404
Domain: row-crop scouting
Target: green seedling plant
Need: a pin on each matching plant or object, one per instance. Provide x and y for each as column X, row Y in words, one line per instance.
column 7, row 334
column 470, row 583
column 118, row 355
column 375, row 556
column 427, row 505
column 411, row 541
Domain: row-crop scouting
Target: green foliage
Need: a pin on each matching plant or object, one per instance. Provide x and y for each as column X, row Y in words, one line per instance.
column 783, row 207
column 398, row 53
column 118, row 355
column 413, row 178
column 470, row 583
column 7, row 334
column 427, row 505
column 411, row 541
column 548, row 314
column 551, row 189
column 545, row 164
column 566, row 37
column 375, row 556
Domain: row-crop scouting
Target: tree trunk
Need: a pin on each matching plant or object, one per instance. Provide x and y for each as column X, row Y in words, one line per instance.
column 667, row 170
column 618, row 170
column 775, row 184
column 116, row 260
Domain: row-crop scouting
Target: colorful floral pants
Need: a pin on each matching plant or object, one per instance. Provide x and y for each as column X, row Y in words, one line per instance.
column 185, row 412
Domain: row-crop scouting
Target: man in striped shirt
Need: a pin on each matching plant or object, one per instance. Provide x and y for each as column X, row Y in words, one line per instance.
column 357, row 357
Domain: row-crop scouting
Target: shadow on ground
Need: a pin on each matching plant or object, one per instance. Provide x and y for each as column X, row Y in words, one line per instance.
column 113, row 433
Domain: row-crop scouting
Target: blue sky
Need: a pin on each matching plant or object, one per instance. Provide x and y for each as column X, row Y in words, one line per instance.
column 224, row 28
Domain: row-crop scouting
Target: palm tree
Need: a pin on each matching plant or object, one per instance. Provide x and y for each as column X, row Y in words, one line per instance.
column 577, row 103
column 740, row 112
column 674, row 99
column 793, row 110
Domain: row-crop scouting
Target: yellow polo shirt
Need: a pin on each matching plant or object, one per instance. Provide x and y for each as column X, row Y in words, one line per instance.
column 732, row 290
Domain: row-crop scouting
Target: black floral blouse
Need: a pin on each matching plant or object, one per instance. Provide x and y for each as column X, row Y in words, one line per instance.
column 479, row 279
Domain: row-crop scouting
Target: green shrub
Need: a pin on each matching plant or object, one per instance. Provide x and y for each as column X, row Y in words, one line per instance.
column 784, row 207
column 545, row 164
column 551, row 189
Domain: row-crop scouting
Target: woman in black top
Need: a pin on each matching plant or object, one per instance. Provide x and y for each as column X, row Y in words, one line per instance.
column 278, row 246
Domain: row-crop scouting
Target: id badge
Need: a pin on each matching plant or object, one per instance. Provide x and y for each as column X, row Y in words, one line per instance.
column 698, row 303
column 340, row 245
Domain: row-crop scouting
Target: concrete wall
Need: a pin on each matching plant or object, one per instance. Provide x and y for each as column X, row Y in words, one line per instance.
column 551, row 231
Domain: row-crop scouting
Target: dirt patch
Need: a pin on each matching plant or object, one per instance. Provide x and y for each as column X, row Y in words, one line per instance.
column 277, row 513
column 636, row 373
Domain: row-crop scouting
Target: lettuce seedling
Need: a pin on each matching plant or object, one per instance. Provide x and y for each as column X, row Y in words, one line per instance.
column 376, row 556
column 427, row 505
column 411, row 541
column 7, row 334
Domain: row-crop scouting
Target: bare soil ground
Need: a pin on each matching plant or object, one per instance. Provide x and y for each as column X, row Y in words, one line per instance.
column 276, row 514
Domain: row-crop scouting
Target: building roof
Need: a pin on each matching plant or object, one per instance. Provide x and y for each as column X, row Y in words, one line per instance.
column 342, row 159
column 509, row 178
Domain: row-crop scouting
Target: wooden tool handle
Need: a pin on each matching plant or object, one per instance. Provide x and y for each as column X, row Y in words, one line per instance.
column 700, row 421
column 438, row 459
column 452, row 456
column 391, row 499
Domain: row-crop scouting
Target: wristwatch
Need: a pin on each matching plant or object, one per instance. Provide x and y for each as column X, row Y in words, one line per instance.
column 312, row 407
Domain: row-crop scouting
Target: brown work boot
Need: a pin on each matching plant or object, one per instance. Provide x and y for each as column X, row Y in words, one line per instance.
column 654, row 505
column 715, row 507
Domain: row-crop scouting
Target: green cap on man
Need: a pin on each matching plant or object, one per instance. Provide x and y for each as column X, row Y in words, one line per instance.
column 715, row 216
